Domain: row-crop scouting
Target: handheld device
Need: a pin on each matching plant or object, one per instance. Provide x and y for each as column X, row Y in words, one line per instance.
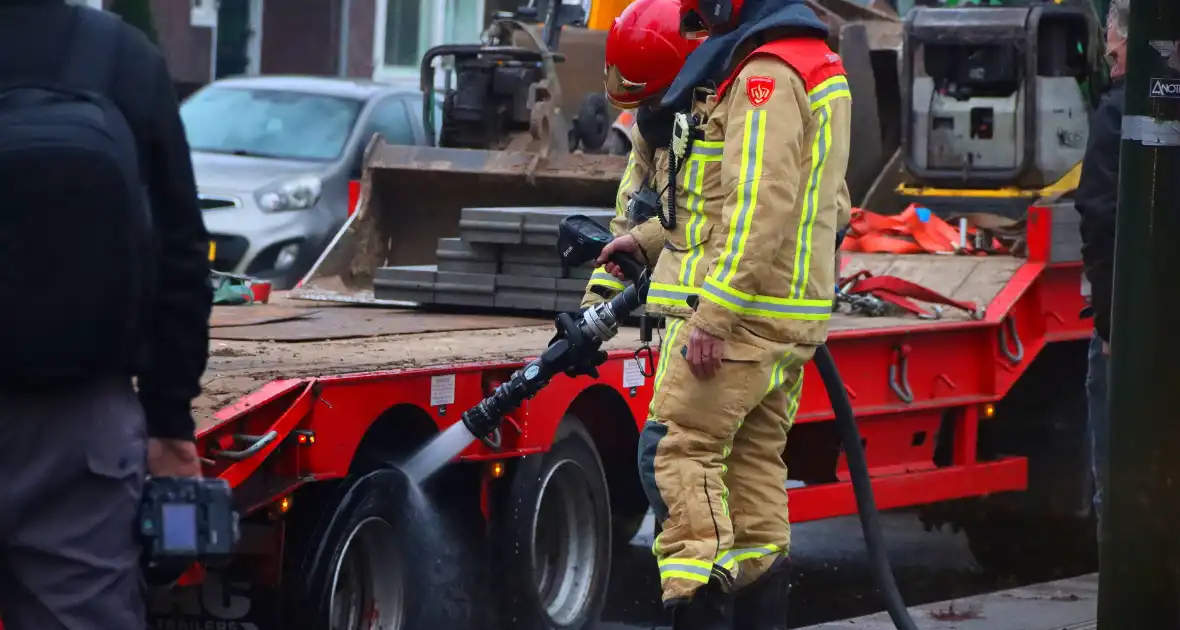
column 183, row 520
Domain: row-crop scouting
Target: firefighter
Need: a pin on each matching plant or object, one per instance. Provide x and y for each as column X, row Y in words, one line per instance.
column 644, row 51
column 746, row 286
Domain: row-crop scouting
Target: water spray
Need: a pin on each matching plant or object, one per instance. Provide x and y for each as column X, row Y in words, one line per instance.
column 576, row 350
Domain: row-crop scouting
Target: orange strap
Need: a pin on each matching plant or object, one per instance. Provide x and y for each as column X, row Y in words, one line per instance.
column 916, row 230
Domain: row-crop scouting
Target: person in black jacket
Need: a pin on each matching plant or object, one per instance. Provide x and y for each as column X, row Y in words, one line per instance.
column 1096, row 200
column 74, row 456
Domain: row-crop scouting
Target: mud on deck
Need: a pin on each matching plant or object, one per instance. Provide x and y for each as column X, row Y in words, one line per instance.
column 253, row 345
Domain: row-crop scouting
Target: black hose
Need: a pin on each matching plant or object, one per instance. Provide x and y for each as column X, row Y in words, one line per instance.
column 866, row 507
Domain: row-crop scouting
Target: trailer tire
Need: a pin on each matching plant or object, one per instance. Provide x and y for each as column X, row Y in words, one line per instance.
column 366, row 540
column 1033, row 547
column 564, row 490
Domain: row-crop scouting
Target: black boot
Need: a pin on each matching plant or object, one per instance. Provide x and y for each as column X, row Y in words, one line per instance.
column 709, row 609
column 762, row 605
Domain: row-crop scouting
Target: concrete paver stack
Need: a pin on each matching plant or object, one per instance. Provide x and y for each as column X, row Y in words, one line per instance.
column 503, row 258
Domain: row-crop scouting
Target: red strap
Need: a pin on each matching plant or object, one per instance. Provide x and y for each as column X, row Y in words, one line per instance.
column 895, row 291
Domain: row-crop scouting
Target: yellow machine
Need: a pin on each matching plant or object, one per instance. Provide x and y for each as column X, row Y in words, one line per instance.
column 604, row 12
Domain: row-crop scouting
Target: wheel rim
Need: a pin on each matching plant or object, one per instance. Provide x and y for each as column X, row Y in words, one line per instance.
column 367, row 587
column 565, row 543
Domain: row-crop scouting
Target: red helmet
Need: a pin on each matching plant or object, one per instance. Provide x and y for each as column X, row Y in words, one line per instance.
column 699, row 18
column 644, row 52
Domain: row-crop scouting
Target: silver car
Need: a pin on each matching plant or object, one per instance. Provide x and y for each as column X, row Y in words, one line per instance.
column 274, row 157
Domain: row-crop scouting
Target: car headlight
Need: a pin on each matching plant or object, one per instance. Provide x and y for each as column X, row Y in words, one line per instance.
column 292, row 194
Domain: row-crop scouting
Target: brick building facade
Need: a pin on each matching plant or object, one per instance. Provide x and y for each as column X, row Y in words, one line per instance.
column 205, row 39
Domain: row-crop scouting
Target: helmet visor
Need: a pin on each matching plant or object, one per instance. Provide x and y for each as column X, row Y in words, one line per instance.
column 622, row 92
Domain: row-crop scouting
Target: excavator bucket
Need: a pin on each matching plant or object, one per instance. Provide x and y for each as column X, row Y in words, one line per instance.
column 412, row 196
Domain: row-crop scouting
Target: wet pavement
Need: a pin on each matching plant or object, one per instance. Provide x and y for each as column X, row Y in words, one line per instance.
column 831, row 577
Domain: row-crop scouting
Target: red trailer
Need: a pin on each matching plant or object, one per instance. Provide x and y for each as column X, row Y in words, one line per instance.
column 978, row 418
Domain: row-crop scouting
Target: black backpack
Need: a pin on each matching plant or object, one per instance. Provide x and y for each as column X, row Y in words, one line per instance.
column 76, row 239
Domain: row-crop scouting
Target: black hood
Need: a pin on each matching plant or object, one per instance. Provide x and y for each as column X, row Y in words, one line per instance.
column 712, row 58
column 655, row 125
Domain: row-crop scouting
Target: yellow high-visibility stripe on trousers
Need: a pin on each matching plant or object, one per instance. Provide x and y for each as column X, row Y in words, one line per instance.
column 674, row 325
column 701, row 570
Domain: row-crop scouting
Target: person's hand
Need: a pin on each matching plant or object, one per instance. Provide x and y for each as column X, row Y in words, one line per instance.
column 704, row 354
column 625, row 244
column 173, row 458
column 1106, row 348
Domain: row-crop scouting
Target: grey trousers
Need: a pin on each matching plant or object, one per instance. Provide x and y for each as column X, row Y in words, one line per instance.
column 72, row 465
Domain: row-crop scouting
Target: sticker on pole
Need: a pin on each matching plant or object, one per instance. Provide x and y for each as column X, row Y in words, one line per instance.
column 759, row 90
column 1165, row 88
column 633, row 372
column 442, row 390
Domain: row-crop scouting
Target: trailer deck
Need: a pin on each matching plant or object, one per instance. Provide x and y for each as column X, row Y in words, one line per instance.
column 253, row 345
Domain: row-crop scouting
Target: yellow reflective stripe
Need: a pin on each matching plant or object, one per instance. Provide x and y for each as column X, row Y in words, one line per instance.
column 685, row 572
column 753, row 140
column 778, row 373
column 694, row 178
column 781, row 308
column 739, row 302
column 624, row 184
column 602, row 278
column 669, row 295
column 793, row 400
column 673, row 329
column 828, row 91
column 819, row 154
column 707, row 150
column 697, row 570
column 752, row 553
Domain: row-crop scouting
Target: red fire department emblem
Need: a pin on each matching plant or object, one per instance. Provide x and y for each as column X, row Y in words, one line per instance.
column 759, row 90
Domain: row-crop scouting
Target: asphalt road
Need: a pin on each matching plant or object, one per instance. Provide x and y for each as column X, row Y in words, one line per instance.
column 831, row 577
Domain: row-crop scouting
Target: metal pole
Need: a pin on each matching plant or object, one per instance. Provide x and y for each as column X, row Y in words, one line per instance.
column 1139, row 586
column 345, row 35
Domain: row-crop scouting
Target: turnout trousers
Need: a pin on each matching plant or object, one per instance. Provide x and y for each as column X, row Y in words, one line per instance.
column 711, row 460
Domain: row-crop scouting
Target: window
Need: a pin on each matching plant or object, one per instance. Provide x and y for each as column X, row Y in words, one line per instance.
column 405, row 29
column 405, row 32
column 269, row 123
column 463, row 21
